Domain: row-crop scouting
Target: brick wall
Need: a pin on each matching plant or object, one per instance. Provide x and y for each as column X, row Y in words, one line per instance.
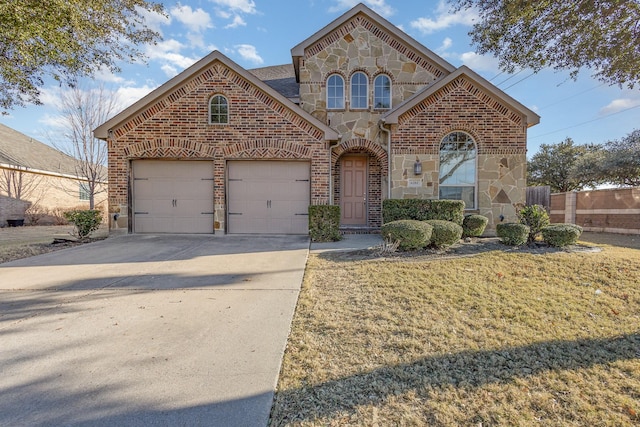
column 498, row 131
column 177, row 127
column 615, row 210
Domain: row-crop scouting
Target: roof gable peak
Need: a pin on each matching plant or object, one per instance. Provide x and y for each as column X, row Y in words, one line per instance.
column 383, row 26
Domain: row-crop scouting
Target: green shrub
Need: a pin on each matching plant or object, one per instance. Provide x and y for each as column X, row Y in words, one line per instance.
column 536, row 218
column 560, row 235
column 445, row 233
column 474, row 225
column 324, row 223
column 512, row 233
column 410, row 234
column 423, row 209
column 85, row 221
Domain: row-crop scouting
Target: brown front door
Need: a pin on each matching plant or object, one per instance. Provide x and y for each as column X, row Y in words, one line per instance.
column 353, row 194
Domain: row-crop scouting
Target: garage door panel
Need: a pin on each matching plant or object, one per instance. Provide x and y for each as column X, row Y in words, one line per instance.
column 271, row 195
column 171, row 196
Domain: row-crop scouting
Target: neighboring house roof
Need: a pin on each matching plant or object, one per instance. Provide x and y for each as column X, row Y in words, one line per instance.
column 299, row 51
column 281, row 78
column 391, row 117
column 21, row 151
column 102, row 131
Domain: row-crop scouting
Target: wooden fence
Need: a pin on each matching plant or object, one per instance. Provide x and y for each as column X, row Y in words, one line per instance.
column 539, row 196
column 615, row 210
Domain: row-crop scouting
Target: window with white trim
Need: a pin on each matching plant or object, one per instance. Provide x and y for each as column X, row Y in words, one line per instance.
column 359, row 91
column 382, row 92
column 218, row 110
column 458, row 168
column 335, row 92
column 84, row 191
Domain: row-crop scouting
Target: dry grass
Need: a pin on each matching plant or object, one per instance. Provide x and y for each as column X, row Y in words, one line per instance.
column 24, row 242
column 502, row 338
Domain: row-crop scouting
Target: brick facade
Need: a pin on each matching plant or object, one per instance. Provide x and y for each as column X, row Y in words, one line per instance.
column 177, row 127
column 429, row 99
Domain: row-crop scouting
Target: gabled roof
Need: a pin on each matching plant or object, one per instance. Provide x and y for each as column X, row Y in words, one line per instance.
column 392, row 116
column 298, row 51
column 102, row 131
column 21, row 151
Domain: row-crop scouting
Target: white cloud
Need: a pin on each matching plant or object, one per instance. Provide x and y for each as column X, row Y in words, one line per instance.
column 249, row 53
column 379, row 6
column 223, row 14
column 446, row 44
column 237, row 22
column 480, row 62
column 127, row 95
column 197, row 20
column 619, row 104
column 154, row 20
column 245, row 6
column 169, row 52
column 169, row 70
column 444, row 19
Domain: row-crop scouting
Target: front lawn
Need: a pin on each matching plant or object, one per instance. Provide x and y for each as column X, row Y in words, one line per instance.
column 501, row 338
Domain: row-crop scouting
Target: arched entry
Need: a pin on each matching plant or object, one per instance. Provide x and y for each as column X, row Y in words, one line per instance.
column 358, row 169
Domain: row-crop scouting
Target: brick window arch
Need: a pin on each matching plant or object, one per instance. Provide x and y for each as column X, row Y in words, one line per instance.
column 359, row 91
column 382, row 92
column 218, row 110
column 335, row 92
column 458, row 168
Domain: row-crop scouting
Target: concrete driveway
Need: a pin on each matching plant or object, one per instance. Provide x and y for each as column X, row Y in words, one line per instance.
column 148, row 330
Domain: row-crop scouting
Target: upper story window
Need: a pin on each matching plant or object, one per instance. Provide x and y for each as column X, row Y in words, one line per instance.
column 335, row 92
column 382, row 92
column 218, row 110
column 458, row 168
column 359, row 91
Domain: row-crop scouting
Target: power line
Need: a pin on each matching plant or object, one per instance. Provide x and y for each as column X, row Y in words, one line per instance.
column 522, row 79
column 571, row 96
column 497, row 75
column 510, row 77
column 584, row 123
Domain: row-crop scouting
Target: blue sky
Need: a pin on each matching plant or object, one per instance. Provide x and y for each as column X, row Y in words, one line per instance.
column 258, row 33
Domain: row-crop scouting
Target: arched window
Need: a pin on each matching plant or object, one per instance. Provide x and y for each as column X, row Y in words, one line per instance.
column 359, row 91
column 382, row 92
column 335, row 92
column 458, row 168
column 218, row 110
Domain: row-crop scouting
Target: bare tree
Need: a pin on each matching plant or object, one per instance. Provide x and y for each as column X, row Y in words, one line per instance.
column 18, row 184
column 81, row 111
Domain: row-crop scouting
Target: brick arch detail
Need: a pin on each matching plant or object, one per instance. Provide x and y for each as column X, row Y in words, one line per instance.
column 361, row 143
column 175, row 148
column 461, row 127
column 267, row 149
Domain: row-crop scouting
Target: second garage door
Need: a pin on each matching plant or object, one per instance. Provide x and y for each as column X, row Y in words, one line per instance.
column 270, row 197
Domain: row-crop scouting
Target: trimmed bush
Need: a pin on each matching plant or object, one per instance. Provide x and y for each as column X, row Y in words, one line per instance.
column 561, row 235
column 423, row 209
column 445, row 233
column 410, row 234
column 474, row 225
column 536, row 218
column 85, row 221
column 324, row 223
column 512, row 233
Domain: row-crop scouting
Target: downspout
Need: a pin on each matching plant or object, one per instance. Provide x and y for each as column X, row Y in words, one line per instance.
column 331, row 147
column 381, row 124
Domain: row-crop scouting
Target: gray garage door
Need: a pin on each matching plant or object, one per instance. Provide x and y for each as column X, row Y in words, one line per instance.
column 172, row 196
column 268, row 197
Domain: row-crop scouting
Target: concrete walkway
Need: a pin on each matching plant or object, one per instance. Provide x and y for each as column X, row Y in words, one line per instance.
column 148, row 330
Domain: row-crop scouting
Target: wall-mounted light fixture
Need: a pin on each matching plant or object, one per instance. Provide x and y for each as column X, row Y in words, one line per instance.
column 417, row 167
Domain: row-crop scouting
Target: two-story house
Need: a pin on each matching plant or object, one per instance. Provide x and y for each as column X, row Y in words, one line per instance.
column 363, row 113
